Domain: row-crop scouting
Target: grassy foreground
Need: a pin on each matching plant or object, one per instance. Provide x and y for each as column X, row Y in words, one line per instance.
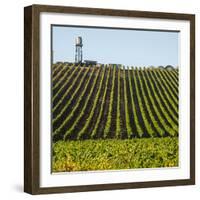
column 115, row 154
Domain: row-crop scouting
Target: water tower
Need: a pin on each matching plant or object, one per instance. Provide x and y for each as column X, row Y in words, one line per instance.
column 79, row 52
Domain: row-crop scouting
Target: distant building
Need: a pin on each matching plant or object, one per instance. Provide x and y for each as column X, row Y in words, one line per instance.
column 90, row 62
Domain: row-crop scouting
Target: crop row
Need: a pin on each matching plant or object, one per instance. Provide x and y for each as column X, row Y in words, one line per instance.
column 87, row 102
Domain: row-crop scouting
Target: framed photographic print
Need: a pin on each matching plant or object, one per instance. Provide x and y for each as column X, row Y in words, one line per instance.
column 109, row 99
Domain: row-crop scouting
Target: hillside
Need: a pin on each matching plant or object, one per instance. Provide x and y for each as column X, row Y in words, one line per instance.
column 109, row 102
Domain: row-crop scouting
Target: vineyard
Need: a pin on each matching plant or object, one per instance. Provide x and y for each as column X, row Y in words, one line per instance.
column 113, row 102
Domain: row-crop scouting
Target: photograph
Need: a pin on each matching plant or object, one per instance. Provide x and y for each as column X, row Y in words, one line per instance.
column 114, row 98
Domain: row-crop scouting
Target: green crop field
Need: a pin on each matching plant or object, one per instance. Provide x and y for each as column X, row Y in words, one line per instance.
column 113, row 115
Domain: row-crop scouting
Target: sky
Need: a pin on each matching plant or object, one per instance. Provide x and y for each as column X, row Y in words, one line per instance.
column 126, row 47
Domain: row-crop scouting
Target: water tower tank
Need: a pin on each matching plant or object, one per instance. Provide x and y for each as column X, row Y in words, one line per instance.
column 79, row 41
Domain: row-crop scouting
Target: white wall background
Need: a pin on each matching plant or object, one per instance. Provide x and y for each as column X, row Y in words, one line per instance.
column 11, row 99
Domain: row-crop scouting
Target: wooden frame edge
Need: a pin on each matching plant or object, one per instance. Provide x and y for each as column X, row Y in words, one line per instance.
column 27, row 99
column 192, row 98
column 31, row 100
